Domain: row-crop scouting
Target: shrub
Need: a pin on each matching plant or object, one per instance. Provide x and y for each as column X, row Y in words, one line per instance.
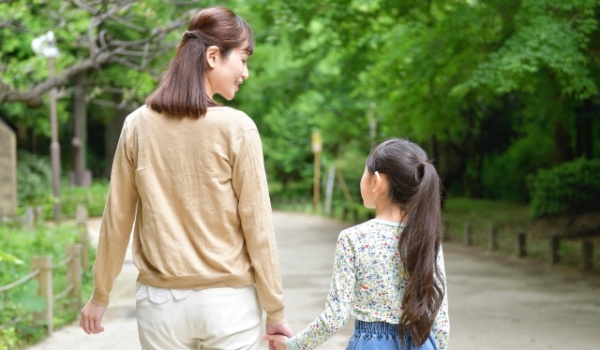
column 17, row 248
column 93, row 198
column 34, row 179
column 569, row 188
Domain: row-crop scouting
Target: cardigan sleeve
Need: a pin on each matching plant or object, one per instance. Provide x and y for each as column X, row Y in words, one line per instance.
column 254, row 208
column 118, row 218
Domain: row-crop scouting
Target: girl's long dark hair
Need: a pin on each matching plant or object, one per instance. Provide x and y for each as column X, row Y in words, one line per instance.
column 415, row 187
column 181, row 92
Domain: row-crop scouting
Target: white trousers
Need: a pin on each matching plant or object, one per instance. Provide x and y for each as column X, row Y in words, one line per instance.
column 211, row 319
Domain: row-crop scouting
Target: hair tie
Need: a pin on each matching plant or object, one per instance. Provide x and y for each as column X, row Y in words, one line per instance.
column 420, row 170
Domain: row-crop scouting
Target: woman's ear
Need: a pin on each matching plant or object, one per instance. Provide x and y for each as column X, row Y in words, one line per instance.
column 212, row 55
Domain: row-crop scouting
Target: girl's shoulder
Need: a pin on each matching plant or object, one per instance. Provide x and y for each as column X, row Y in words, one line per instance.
column 371, row 227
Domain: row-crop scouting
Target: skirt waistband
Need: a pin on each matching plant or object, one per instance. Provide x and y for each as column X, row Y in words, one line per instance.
column 379, row 329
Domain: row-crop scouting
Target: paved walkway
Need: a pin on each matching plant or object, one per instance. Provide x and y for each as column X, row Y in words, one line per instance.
column 496, row 303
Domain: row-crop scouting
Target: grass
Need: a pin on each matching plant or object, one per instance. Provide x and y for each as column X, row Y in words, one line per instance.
column 18, row 246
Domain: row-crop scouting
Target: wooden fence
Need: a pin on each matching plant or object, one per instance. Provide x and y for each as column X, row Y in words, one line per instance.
column 521, row 248
column 42, row 270
column 356, row 213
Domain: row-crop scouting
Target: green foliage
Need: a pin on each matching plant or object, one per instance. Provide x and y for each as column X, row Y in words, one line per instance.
column 93, row 198
column 569, row 188
column 504, row 175
column 34, row 179
column 548, row 34
column 444, row 73
column 21, row 245
column 439, row 69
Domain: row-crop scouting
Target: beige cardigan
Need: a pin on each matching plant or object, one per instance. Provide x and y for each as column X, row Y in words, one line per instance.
column 197, row 191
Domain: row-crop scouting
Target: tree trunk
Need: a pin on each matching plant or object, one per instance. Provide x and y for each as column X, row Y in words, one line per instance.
column 79, row 133
column 584, row 130
column 562, row 141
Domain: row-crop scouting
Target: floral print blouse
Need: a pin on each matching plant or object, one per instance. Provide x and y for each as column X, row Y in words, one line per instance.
column 368, row 281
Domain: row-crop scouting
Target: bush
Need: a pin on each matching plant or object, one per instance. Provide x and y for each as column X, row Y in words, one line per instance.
column 569, row 188
column 93, row 198
column 34, row 179
column 504, row 175
column 17, row 248
column 34, row 188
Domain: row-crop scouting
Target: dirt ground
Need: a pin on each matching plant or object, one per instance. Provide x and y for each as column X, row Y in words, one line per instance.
column 496, row 302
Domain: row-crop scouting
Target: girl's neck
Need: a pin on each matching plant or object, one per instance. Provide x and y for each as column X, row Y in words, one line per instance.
column 389, row 212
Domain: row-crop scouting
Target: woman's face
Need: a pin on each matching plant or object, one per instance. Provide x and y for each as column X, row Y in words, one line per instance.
column 228, row 73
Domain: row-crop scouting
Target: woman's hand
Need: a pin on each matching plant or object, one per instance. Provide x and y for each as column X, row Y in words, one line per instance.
column 277, row 340
column 91, row 316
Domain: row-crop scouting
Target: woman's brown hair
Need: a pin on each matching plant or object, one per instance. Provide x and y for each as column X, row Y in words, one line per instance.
column 415, row 187
column 181, row 92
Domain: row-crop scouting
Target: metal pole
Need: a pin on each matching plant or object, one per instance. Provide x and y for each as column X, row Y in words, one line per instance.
column 54, row 147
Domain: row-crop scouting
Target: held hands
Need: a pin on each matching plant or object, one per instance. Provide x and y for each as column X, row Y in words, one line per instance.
column 277, row 335
column 277, row 340
column 91, row 315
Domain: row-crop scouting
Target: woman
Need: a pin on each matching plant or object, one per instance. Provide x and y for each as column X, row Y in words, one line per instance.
column 190, row 174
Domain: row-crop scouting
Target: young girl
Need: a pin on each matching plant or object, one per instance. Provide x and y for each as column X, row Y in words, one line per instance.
column 389, row 271
column 190, row 174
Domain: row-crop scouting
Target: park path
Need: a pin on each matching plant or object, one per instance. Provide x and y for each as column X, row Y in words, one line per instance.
column 496, row 303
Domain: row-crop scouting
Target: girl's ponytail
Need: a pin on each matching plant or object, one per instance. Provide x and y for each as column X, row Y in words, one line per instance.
column 419, row 246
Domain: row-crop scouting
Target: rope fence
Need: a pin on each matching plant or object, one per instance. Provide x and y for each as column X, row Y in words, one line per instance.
column 42, row 271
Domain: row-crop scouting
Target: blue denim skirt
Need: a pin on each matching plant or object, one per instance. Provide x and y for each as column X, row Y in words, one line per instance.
column 383, row 336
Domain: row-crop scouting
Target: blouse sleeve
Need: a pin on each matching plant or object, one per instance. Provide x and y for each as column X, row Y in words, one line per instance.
column 441, row 325
column 339, row 299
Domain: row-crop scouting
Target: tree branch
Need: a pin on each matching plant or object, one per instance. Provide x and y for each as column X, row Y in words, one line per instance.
column 134, row 54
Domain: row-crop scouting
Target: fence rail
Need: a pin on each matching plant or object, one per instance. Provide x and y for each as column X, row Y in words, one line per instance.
column 42, row 270
column 554, row 242
column 524, row 245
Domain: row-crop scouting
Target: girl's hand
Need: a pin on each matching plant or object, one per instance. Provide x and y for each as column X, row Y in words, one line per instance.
column 277, row 339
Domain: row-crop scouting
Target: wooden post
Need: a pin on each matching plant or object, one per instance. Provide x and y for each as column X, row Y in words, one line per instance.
column 81, row 218
column 29, row 219
column 39, row 214
column 74, row 272
column 44, row 278
column 317, row 145
column 468, row 235
column 493, row 238
column 521, row 244
column 587, row 256
column 344, row 187
column 554, row 249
